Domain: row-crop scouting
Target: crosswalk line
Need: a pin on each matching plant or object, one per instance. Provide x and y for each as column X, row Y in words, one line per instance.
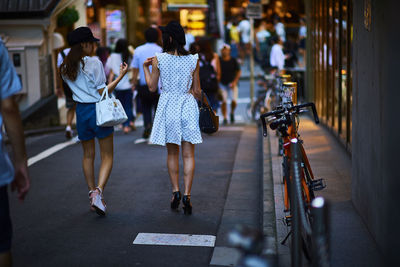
column 174, row 240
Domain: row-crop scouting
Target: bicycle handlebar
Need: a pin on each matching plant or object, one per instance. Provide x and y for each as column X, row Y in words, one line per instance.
column 312, row 105
column 296, row 108
column 266, row 115
column 276, row 123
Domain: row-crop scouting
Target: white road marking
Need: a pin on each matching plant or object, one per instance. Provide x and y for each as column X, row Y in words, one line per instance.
column 174, row 240
column 50, row 151
column 141, row 140
column 243, row 100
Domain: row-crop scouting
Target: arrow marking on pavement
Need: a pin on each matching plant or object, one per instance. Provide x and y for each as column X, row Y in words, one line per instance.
column 50, row 151
column 174, row 240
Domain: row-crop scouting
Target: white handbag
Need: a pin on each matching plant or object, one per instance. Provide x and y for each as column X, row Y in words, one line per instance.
column 109, row 111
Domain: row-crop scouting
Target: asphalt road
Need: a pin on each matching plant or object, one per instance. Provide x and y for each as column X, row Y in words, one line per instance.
column 54, row 226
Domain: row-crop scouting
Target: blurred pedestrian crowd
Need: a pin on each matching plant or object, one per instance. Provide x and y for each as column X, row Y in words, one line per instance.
column 273, row 46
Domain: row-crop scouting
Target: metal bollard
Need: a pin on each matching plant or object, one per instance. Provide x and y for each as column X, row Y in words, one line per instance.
column 320, row 229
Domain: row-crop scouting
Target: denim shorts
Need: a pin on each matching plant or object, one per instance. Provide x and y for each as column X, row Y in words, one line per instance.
column 86, row 123
column 5, row 221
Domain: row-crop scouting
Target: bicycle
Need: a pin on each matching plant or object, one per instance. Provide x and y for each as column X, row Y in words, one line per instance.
column 286, row 122
column 266, row 97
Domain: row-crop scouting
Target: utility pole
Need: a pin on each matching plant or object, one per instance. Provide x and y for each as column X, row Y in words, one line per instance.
column 254, row 11
column 251, row 62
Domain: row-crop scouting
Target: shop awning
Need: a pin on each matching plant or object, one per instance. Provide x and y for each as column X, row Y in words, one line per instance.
column 17, row 9
column 187, row 3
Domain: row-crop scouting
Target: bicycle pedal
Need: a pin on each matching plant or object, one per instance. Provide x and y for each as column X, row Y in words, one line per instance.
column 318, row 184
column 288, row 220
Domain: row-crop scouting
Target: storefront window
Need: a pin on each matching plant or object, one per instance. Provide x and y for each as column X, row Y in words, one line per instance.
column 344, row 70
column 331, row 50
column 338, row 63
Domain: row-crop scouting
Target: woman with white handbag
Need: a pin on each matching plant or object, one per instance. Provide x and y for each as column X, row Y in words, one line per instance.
column 86, row 78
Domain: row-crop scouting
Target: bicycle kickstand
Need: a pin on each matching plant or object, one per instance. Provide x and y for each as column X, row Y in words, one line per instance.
column 286, row 238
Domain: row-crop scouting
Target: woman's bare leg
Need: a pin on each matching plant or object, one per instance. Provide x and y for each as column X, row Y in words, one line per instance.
column 188, row 165
column 107, row 156
column 88, row 162
column 173, row 165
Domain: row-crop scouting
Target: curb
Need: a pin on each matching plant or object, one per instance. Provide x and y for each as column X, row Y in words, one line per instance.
column 269, row 217
column 34, row 132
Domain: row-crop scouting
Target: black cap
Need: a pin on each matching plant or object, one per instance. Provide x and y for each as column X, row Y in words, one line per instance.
column 81, row 35
column 176, row 31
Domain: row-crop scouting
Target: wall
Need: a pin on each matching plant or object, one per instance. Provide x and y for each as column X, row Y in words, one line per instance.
column 81, row 8
column 28, row 36
column 375, row 178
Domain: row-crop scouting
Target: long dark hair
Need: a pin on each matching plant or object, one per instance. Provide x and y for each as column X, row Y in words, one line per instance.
column 121, row 47
column 206, row 49
column 171, row 45
column 70, row 65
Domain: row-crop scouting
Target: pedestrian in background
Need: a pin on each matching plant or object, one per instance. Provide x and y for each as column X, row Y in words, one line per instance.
column 230, row 74
column 244, row 29
column 290, row 49
column 277, row 57
column 177, row 118
column 148, row 100
column 86, row 78
column 17, row 176
column 69, row 102
column 189, row 38
column 302, row 42
column 123, row 90
column 234, row 37
column 262, row 44
column 194, row 48
column 210, row 72
column 279, row 28
column 103, row 52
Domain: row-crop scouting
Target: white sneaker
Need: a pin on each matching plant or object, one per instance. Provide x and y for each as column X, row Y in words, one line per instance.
column 76, row 139
column 98, row 204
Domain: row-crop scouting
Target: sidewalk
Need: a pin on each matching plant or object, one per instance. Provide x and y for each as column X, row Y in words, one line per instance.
column 242, row 205
column 351, row 243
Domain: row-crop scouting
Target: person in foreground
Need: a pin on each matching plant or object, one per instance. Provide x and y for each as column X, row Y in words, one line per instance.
column 16, row 175
column 86, row 78
column 177, row 117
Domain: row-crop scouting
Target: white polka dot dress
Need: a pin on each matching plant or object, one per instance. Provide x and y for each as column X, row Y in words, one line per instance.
column 177, row 115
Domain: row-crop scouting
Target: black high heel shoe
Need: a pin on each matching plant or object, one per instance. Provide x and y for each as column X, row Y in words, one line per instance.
column 187, row 206
column 175, row 200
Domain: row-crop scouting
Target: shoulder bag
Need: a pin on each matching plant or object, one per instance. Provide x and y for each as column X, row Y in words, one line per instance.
column 208, row 121
column 109, row 110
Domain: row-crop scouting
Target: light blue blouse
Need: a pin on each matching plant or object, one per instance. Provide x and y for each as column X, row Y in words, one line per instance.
column 90, row 78
column 9, row 85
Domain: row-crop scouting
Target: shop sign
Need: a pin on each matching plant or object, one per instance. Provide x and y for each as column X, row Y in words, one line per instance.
column 254, row 10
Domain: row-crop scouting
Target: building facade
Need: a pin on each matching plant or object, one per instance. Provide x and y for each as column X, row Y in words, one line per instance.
column 352, row 77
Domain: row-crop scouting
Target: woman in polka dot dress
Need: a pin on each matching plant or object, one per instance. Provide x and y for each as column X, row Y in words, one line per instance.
column 177, row 117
